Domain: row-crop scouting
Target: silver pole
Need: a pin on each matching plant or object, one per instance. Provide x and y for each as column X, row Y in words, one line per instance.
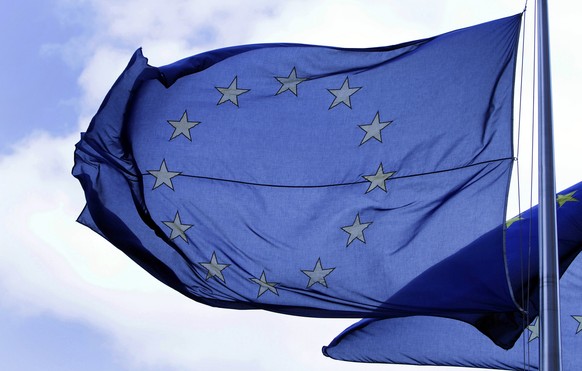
column 550, row 353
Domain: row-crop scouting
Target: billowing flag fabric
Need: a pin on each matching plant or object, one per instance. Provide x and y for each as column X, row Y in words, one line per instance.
column 422, row 340
column 308, row 180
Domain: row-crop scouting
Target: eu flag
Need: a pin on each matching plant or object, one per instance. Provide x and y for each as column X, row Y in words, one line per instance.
column 421, row 340
column 308, row 180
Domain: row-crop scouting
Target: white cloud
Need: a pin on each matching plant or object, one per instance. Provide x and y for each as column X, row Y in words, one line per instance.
column 197, row 21
column 355, row 23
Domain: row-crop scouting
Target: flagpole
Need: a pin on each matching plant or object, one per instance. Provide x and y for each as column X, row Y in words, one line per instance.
column 550, row 352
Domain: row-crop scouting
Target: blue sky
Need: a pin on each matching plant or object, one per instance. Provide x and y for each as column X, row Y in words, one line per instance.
column 70, row 300
column 42, row 341
column 34, row 76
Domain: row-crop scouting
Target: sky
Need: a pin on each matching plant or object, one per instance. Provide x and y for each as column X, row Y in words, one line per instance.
column 71, row 301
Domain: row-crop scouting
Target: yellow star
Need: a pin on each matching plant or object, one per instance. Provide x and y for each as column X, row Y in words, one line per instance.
column 512, row 220
column 562, row 199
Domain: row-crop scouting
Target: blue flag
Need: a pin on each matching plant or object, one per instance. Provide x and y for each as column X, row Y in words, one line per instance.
column 308, row 180
column 422, row 340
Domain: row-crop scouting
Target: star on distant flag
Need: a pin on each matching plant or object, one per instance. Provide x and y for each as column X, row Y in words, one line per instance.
column 265, row 285
column 183, row 126
column 214, row 268
column 534, row 329
column 289, row 83
column 177, row 228
column 579, row 320
column 356, row 230
column 163, row 176
column 343, row 94
column 231, row 93
column 317, row 275
column 512, row 220
column 562, row 199
column 374, row 129
column 378, row 180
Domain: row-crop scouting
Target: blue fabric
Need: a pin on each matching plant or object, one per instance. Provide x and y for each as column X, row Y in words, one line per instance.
column 309, row 180
column 439, row 341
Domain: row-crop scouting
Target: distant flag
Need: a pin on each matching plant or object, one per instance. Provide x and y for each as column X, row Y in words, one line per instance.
column 419, row 340
column 308, row 180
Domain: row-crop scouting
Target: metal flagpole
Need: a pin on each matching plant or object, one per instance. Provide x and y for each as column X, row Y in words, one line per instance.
column 550, row 345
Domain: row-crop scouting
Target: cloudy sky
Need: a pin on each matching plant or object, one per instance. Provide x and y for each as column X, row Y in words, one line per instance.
column 71, row 301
